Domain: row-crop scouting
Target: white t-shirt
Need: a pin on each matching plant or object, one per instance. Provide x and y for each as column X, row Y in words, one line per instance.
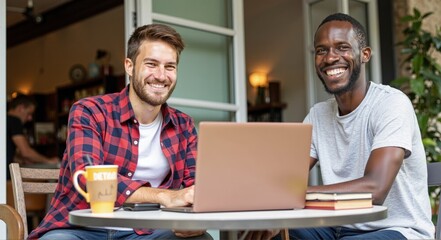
column 152, row 164
column 342, row 145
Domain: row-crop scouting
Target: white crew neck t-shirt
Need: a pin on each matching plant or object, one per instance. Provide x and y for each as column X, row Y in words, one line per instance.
column 152, row 164
column 342, row 145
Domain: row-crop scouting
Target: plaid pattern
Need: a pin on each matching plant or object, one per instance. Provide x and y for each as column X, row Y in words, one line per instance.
column 105, row 128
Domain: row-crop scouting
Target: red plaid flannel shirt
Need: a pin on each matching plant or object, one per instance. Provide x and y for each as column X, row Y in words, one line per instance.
column 105, row 128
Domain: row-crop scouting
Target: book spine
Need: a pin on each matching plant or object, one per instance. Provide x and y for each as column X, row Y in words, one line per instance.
column 333, row 208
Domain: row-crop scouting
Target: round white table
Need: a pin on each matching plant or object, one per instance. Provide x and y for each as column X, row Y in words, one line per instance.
column 227, row 221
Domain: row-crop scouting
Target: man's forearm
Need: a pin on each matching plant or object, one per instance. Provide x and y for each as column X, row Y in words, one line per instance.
column 147, row 194
column 33, row 156
column 165, row 197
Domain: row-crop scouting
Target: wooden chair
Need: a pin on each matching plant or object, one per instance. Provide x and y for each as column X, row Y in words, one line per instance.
column 32, row 181
column 434, row 179
column 14, row 223
column 284, row 233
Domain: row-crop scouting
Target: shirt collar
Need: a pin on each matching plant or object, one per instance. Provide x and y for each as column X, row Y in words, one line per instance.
column 126, row 110
column 169, row 114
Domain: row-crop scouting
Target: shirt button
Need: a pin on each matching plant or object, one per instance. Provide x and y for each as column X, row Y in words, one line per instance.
column 128, row 192
column 135, row 121
column 135, row 142
column 129, row 174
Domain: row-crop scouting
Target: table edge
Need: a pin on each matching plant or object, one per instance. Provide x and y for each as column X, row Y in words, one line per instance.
column 378, row 213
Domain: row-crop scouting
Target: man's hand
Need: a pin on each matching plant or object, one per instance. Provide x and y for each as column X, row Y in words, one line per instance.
column 188, row 233
column 260, row 234
column 165, row 197
column 178, row 198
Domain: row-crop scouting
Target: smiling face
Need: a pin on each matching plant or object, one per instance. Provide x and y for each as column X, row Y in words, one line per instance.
column 338, row 56
column 153, row 75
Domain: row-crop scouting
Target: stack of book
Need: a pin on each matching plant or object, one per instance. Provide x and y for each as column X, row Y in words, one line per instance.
column 338, row 200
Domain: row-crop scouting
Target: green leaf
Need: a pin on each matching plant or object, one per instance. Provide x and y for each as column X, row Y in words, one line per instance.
column 416, row 13
column 428, row 142
column 416, row 26
column 431, row 75
column 426, row 37
column 417, row 62
column 400, row 81
column 417, row 86
column 437, row 83
column 422, row 122
column 426, row 15
column 407, row 18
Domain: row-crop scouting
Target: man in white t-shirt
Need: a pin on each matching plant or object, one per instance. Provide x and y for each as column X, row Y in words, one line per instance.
column 366, row 139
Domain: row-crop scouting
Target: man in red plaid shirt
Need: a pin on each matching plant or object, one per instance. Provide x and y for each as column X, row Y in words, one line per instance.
column 153, row 144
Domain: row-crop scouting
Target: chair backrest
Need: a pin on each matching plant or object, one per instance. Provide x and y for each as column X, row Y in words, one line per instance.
column 30, row 180
column 434, row 179
column 14, row 223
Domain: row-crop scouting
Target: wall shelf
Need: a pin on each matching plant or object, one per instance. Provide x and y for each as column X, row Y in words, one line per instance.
column 68, row 94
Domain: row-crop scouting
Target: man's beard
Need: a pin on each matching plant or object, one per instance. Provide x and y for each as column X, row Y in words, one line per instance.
column 352, row 79
column 138, row 86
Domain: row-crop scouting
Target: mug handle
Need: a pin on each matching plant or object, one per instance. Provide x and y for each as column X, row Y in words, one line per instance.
column 77, row 186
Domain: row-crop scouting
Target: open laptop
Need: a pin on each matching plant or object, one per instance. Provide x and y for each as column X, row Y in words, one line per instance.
column 250, row 167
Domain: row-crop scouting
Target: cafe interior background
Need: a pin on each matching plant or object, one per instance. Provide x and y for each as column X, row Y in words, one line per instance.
column 57, row 64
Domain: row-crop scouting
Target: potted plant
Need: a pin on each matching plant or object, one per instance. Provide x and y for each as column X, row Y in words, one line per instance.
column 422, row 84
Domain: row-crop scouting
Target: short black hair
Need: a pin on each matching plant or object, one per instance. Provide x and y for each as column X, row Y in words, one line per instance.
column 358, row 28
column 22, row 99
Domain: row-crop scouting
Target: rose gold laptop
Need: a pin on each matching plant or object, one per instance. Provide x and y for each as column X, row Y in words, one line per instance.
column 251, row 166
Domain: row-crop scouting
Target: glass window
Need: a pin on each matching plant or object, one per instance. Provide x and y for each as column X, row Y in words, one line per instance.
column 213, row 12
column 204, row 67
column 199, row 114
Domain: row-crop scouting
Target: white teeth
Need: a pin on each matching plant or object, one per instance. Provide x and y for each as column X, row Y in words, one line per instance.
column 158, row 85
column 336, row 71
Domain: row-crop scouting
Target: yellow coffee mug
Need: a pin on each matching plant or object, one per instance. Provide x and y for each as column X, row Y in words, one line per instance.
column 101, row 184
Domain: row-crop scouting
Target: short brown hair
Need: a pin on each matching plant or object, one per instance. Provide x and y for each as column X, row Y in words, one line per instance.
column 154, row 32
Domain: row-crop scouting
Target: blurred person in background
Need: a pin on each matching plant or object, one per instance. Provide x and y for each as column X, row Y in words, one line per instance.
column 21, row 110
